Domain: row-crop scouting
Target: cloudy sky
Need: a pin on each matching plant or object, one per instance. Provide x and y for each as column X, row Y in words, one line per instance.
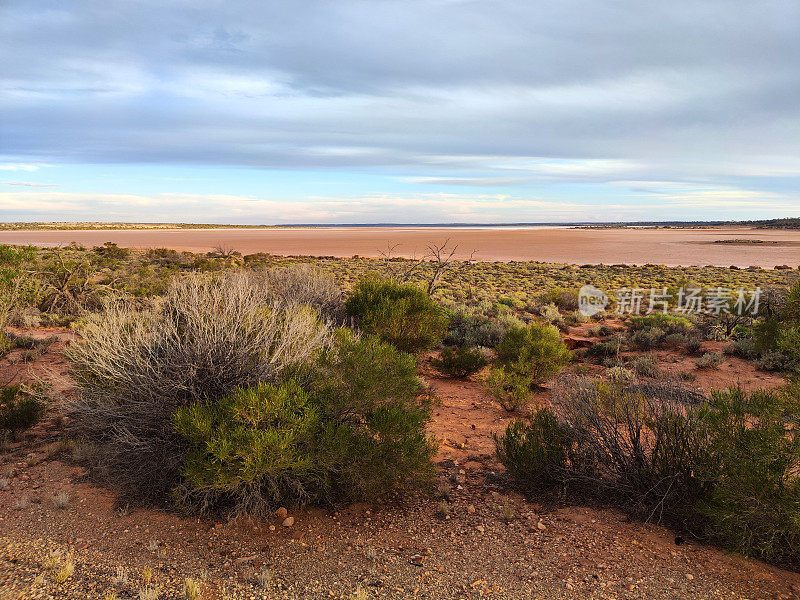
column 408, row 111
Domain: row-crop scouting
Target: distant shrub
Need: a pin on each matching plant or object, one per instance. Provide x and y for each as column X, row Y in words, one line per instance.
column 400, row 314
column 19, row 410
column 511, row 388
column 693, row 344
column 664, row 321
column 208, row 337
column 466, row 329
column 645, row 366
column 619, row 374
column 647, row 339
column 460, row 361
column 549, row 313
column 744, row 347
column 710, row 360
column 605, row 350
column 601, row 331
column 535, row 351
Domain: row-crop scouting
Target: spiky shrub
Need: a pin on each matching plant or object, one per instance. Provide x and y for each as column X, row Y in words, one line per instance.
column 19, row 410
column 460, row 362
column 536, row 351
column 354, row 429
column 208, row 337
column 398, row 313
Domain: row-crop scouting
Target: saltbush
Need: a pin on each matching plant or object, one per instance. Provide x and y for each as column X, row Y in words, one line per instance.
column 398, row 313
column 461, row 361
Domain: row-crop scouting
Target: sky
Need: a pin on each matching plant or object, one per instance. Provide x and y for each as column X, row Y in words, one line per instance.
column 410, row 111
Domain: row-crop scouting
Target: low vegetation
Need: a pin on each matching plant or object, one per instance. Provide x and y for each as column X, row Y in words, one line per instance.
column 726, row 467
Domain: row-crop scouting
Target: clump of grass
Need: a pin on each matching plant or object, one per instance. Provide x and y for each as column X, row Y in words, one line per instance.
column 265, row 577
column 149, row 592
column 147, row 576
column 62, row 567
column 191, row 589
column 61, row 501
column 645, row 366
column 110, row 595
column 120, row 577
column 507, row 511
column 443, row 510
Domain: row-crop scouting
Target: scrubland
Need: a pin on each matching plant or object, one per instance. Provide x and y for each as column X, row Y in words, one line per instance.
column 180, row 425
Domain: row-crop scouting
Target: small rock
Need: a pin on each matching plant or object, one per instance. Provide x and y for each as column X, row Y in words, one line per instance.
column 689, row 576
column 281, row 513
column 471, row 509
column 541, row 526
column 288, row 521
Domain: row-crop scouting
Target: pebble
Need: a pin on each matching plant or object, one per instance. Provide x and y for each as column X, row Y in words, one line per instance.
column 281, row 513
column 288, row 521
column 471, row 509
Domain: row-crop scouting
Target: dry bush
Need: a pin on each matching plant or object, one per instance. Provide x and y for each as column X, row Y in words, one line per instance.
column 302, row 285
column 208, row 337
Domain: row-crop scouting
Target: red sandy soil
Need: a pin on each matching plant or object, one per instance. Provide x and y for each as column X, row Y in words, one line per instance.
column 672, row 247
column 400, row 548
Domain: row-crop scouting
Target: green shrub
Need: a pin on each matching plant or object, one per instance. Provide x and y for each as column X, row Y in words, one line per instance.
column 511, row 388
column 460, row 362
column 645, row 366
column 400, row 314
column 537, row 452
column 467, row 329
column 753, row 504
column 710, row 360
column 664, row 321
column 133, row 369
column 535, row 351
column 605, row 350
column 647, row 339
column 728, row 467
column 19, row 410
column 354, row 430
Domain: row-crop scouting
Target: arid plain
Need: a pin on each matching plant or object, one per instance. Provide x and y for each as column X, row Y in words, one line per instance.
column 716, row 246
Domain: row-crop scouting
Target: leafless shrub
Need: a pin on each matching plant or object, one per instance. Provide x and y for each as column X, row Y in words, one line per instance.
column 132, row 369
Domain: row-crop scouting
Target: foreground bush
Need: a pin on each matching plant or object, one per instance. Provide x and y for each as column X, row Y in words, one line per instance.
column 355, row 429
column 208, row 337
column 536, row 351
column 400, row 314
column 460, row 362
column 728, row 467
column 19, row 410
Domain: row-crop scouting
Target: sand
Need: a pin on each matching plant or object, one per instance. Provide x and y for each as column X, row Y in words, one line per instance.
column 671, row 247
